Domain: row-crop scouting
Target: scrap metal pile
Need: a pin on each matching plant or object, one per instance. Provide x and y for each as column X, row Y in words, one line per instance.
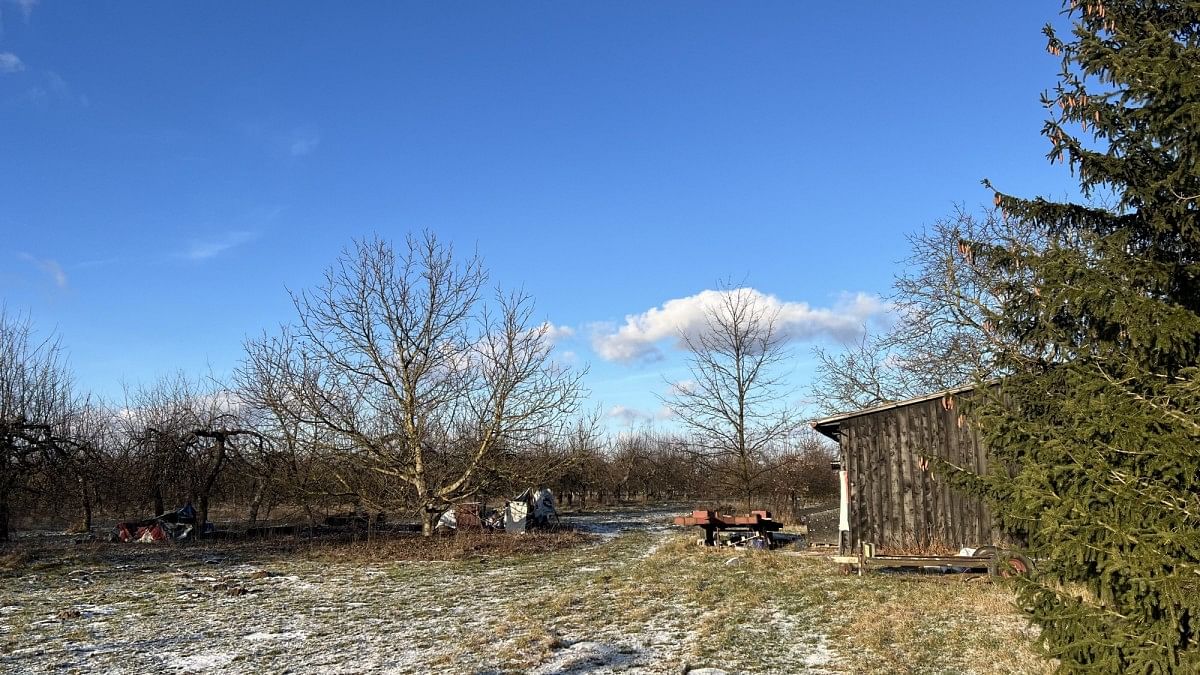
column 531, row 510
column 167, row 527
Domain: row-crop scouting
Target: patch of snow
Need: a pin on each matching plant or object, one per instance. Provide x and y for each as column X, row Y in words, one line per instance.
column 290, row 635
column 806, row 643
column 96, row 610
column 588, row 657
column 198, row 663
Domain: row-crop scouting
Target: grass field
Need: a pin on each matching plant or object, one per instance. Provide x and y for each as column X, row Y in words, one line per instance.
column 634, row 600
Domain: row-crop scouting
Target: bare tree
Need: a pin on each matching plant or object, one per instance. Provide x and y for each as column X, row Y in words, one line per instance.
column 212, row 448
column 35, row 406
column 735, row 403
column 84, row 470
column 940, row 337
column 187, row 431
column 156, row 421
column 289, row 463
column 804, row 475
column 415, row 381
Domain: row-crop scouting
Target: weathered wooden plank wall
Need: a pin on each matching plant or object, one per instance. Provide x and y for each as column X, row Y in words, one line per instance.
column 896, row 499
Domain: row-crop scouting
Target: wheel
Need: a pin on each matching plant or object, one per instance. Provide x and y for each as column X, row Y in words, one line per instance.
column 1007, row 564
column 985, row 552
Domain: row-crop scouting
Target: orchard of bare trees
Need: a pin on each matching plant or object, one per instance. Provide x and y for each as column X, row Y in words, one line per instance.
column 405, row 384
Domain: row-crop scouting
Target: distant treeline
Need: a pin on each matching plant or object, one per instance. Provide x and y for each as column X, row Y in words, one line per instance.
column 251, row 480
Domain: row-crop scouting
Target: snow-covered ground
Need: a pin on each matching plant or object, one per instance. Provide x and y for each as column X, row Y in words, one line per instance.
column 639, row 598
column 613, row 522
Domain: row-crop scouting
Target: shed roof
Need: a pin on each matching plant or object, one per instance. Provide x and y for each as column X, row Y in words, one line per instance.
column 829, row 425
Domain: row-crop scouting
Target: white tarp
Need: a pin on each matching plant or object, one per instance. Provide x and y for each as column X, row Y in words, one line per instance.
column 448, row 520
column 516, row 514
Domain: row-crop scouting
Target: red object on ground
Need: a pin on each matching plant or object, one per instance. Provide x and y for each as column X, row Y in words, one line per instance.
column 151, row 533
column 756, row 520
column 466, row 516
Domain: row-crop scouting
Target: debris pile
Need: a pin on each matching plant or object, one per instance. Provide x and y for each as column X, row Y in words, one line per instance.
column 174, row 526
column 530, row 510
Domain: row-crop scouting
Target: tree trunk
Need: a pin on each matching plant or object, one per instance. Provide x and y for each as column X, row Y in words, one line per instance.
column 256, row 501
column 203, row 513
column 87, row 514
column 3, row 514
column 429, row 518
column 158, row 501
column 85, row 504
column 210, row 480
column 312, row 519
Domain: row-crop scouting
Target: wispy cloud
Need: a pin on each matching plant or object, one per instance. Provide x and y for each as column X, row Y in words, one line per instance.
column 627, row 415
column 633, row 416
column 304, row 142
column 50, row 87
column 203, row 249
column 10, row 63
column 641, row 336
column 685, row 386
column 26, row 6
column 50, row 267
column 98, row 262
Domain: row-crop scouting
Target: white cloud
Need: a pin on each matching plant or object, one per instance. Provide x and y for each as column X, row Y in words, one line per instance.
column 203, row 249
column 556, row 334
column 10, row 63
column 632, row 416
column 304, row 142
column 640, row 336
column 50, row 267
column 627, row 415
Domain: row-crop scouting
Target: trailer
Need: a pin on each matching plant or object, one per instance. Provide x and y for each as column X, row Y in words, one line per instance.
column 756, row 529
column 986, row 559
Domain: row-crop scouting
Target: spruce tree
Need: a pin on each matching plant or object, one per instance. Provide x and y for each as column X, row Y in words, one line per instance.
column 1096, row 425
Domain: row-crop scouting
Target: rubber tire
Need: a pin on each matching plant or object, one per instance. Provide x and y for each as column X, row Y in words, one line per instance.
column 986, row 552
column 1008, row 564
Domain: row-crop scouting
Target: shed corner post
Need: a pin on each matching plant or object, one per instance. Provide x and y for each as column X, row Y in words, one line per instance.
column 843, row 507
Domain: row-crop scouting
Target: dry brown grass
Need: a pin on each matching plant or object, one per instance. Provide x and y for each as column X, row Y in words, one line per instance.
column 14, row 560
column 449, row 547
column 508, row 603
column 959, row 622
column 763, row 612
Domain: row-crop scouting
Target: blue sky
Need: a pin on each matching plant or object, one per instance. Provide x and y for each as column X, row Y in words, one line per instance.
column 167, row 170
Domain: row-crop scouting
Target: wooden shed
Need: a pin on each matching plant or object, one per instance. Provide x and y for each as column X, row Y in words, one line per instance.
column 890, row 495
